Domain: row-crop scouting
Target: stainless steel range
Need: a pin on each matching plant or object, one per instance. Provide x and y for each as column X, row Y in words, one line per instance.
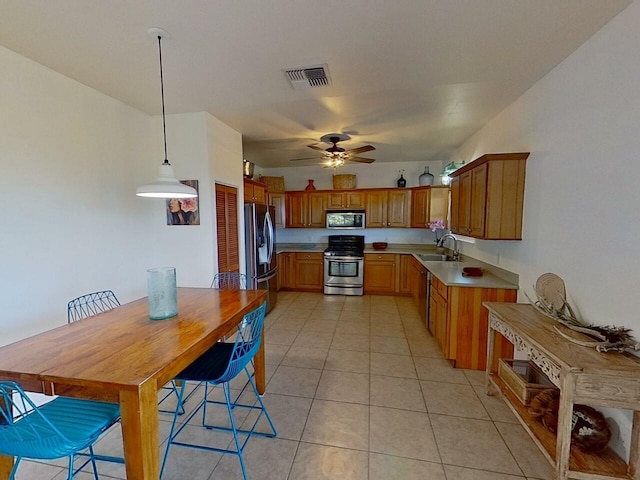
column 343, row 265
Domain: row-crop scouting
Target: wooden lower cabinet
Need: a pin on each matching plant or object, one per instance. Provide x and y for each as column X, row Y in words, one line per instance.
column 301, row 271
column 405, row 274
column 418, row 278
column 381, row 273
column 459, row 323
column 309, row 271
column 286, row 271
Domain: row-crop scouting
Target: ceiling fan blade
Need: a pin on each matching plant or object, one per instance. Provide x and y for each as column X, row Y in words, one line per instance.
column 307, row 158
column 362, row 160
column 315, row 147
column 366, row 148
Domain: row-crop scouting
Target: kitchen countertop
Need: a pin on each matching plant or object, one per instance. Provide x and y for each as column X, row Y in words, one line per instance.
column 449, row 273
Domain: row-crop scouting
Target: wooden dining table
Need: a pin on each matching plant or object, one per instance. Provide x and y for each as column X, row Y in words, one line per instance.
column 123, row 356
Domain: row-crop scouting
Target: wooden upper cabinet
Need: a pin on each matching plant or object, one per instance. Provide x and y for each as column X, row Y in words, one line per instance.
column 376, row 210
column 487, row 197
column 346, row 200
column 316, row 210
column 454, row 186
column 295, row 216
column 478, row 205
column 429, row 204
column 278, row 202
column 464, row 204
column 255, row 192
column 398, row 208
column 388, row 208
column 305, row 209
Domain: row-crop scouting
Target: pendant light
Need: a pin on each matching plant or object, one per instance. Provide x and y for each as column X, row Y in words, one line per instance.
column 166, row 185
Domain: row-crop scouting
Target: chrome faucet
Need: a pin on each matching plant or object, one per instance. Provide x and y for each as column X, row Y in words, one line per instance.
column 456, row 252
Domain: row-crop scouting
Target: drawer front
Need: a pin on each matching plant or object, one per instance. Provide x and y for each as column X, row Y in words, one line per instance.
column 310, row 256
column 441, row 288
column 380, row 257
column 619, row 389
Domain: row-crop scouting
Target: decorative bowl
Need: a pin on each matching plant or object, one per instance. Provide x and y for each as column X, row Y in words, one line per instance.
column 380, row 245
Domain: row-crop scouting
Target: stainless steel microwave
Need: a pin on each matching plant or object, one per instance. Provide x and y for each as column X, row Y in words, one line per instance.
column 345, row 219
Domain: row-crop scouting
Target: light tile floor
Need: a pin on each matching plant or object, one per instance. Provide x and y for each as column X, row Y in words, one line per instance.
column 358, row 390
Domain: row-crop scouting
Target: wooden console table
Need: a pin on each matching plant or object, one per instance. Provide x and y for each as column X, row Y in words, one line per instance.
column 583, row 375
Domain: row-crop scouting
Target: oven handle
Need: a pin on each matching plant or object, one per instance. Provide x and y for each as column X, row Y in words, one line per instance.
column 343, row 259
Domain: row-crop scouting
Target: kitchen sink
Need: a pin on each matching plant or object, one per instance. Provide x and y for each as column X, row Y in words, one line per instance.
column 433, row 257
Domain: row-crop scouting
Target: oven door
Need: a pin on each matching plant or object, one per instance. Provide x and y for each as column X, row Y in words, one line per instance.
column 343, row 275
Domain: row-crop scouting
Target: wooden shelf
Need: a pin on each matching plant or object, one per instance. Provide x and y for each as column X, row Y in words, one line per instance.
column 607, row 463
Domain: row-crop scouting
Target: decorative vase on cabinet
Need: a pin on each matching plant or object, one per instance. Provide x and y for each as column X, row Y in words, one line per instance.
column 426, row 178
column 311, row 187
column 402, row 182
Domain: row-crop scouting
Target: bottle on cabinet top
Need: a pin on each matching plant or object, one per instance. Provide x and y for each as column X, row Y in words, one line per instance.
column 426, row 178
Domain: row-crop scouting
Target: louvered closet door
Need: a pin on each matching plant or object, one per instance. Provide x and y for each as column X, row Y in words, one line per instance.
column 227, row 227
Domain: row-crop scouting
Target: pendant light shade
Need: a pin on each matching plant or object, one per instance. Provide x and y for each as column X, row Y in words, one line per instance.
column 166, row 185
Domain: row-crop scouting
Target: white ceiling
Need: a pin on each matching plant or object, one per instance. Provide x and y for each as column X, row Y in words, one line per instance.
column 414, row 78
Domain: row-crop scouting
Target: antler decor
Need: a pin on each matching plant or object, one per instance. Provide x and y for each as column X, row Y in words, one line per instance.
column 551, row 295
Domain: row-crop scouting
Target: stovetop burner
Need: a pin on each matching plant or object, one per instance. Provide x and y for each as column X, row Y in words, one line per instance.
column 348, row 245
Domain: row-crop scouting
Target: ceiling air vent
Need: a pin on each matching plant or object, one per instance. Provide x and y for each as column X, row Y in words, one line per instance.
column 306, row 77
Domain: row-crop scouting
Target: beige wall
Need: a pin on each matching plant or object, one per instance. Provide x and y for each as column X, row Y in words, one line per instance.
column 581, row 219
column 71, row 161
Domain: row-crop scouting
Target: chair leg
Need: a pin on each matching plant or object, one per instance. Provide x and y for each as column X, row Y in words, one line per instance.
column 12, row 475
column 227, row 396
column 263, row 410
column 180, row 393
column 173, row 390
column 70, row 472
column 93, row 463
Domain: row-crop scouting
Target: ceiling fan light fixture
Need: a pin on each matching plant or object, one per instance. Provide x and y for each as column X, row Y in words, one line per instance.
column 166, row 185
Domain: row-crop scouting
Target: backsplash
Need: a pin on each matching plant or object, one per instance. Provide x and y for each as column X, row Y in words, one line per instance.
column 391, row 235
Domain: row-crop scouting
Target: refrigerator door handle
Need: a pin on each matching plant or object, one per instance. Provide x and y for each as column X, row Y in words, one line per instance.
column 269, row 277
column 269, row 230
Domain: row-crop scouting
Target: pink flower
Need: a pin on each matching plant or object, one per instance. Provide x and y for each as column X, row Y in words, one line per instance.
column 436, row 225
column 188, row 204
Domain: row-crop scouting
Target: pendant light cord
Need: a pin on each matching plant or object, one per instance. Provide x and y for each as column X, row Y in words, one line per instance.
column 164, row 125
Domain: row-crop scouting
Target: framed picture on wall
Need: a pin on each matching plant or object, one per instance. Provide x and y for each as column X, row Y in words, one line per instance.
column 184, row 211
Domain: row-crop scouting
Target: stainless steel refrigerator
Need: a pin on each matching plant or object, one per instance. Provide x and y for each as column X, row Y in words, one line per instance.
column 260, row 250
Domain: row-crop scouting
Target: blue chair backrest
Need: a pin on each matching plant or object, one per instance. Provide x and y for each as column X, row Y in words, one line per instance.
column 230, row 281
column 247, row 342
column 91, row 304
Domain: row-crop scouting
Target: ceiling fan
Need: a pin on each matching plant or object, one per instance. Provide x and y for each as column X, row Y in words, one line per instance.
column 336, row 156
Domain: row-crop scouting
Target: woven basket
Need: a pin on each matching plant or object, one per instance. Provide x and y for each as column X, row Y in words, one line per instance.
column 344, row 182
column 523, row 378
column 274, row 184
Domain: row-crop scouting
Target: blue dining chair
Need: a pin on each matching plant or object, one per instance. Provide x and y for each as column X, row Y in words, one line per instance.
column 219, row 366
column 98, row 302
column 229, row 281
column 61, row 428
column 91, row 304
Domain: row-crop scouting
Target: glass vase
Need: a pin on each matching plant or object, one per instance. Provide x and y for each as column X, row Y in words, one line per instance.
column 163, row 293
column 426, row 178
